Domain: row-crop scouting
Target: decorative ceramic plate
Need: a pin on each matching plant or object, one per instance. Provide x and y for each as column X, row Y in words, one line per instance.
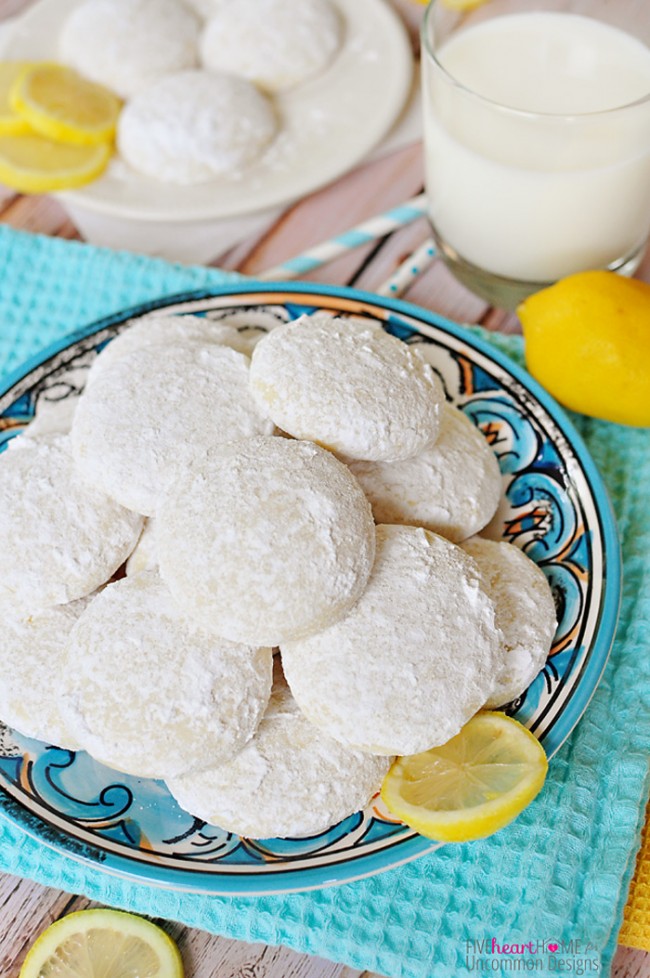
column 554, row 507
column 329, row 123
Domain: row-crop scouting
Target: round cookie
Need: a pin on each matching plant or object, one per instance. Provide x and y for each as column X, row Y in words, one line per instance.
column 52, row 418
column 348, row 386
column 266, row 540
column 34, row 675
column 202, row 8
column 59, row 539
column 299, row 40
column 144, row 418
column 194, row 126
column 167, row 330
column 453, row 487
column 145, row 555
column 153, row 694
column 525, row 613
column 414, row 659
column 290, row 780
column 128, row 44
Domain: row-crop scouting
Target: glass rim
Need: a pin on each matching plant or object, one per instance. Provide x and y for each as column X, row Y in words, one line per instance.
column 428, row 52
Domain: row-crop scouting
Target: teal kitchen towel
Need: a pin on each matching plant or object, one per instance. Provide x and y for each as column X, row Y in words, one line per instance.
column 560, row 873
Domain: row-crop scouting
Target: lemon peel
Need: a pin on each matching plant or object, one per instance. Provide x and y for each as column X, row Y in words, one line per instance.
column 10, row 121
column 588, row 343
column 461, row 5
column 98, row 942
column 59, row 103
column 473, row 785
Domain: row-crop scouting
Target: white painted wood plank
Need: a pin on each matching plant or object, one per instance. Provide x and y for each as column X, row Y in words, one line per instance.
column 361, row 194
column 631, row 964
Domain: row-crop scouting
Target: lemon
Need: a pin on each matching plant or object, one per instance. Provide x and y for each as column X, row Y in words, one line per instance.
column 10, row 121
column 471, row 786
column 33, row 164
column 103, row 942
column 463, row 5
column 58, row 103
column 588, row 343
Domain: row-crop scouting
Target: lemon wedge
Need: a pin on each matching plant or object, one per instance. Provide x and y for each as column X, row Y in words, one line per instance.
column 58, row 103
column 103, row 942
column 33, row 164
column 471, row 786
column 10, row 121
column 588, row 343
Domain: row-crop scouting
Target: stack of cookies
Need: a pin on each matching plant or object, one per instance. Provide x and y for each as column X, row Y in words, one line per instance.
column 312, row 494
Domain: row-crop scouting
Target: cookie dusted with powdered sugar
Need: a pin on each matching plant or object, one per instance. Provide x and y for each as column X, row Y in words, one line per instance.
column 348, row 386
column 34, row 675
column 298, row 40
column 412, row 661
column 266, row 540
column 128, row 44
column 453, row 487
column 161, row 330
column 194, row 126
column 59, row 539
column 145, row 555
column 153, row 694
column 144, row 418
column 525, row 613
column 290, row 780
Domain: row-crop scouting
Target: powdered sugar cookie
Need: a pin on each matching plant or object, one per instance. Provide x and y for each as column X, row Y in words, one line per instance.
column 298, row 40
column 412, row 661
column 452, row 487
column 194, row 126
column 347, row 385
column 251, row 322
column 143, row 419
column 128, row 44
column 34, row 674
column 154, row 695
column 59, row 540
column 266, row 540
column 52, row 418
column 525, row 613
column 289, row 780
column 203, row 8
column 145, row 555
column 161, row 330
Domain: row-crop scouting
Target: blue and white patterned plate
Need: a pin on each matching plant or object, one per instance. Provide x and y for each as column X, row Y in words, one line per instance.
column 554, row 506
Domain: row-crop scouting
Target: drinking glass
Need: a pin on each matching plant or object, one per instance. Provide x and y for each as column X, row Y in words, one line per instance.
column 537, row 140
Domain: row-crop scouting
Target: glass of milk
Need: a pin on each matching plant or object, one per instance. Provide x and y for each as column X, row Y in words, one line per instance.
column 537, row 139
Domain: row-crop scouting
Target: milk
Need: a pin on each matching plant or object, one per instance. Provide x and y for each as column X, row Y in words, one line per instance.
column 525, row 192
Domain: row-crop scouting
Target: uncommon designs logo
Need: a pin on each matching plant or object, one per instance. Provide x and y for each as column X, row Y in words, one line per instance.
column 546, row 957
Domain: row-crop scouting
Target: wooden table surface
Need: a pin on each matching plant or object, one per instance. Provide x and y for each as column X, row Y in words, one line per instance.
column 26, row 908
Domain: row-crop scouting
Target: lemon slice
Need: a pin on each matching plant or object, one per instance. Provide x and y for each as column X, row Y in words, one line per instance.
column 59, row 103
column 471, row 786
column 33, row 164
column 10, row 121
column 463, row 5
column 103, row 942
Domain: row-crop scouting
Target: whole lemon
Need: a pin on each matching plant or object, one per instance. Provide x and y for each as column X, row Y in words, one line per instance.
column 588, row 343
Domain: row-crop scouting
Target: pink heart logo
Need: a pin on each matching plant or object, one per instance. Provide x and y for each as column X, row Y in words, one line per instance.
column 553, row 947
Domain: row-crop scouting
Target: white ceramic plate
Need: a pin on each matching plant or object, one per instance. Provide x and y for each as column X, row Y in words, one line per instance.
column 329, row 124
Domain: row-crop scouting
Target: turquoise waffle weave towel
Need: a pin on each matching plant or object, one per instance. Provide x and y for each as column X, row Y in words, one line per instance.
column 560, row 873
